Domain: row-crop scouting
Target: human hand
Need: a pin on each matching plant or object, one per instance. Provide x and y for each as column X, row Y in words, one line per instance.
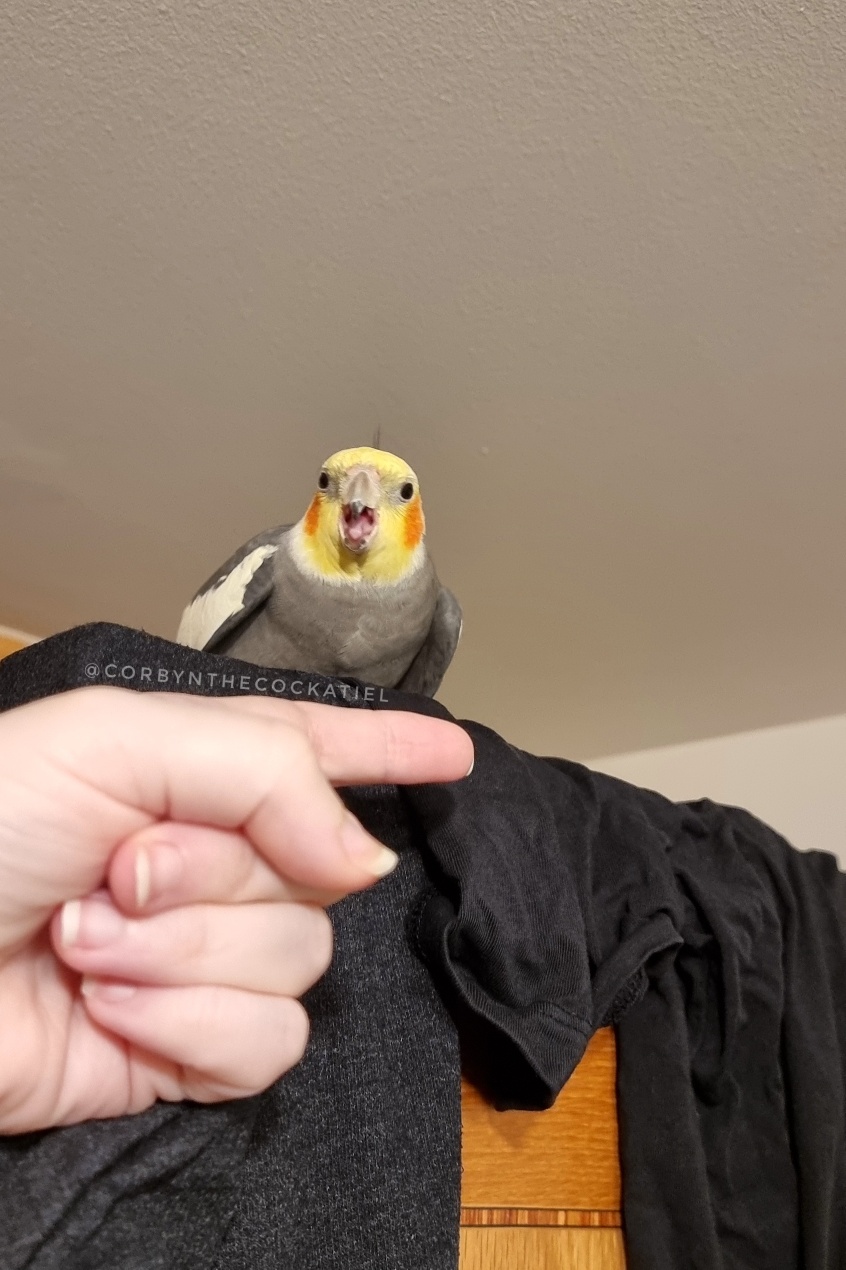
column 206, row 837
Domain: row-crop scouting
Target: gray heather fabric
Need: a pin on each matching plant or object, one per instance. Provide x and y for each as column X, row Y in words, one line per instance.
column 352, row 1160
column 355, row 1159
column 146, row 1192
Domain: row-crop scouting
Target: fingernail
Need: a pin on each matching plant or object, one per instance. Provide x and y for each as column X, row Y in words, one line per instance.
column 366, row 851
column 90, row 925
column 158, row 868
column 107, row 991
column 470, row 768
column 142, row 877
column 383, row 863
column 69, row 922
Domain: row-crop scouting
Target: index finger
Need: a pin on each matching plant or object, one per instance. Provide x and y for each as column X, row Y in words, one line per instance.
column 374, row 747
column 255, row 768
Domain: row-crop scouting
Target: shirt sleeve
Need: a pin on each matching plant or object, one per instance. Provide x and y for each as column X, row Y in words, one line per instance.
column 550, row 892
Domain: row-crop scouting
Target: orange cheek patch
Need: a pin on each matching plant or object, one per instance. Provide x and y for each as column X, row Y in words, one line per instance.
column 312, row 517
column 414, row 523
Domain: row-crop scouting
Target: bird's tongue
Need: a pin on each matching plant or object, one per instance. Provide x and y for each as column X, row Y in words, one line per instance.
column 358, row 525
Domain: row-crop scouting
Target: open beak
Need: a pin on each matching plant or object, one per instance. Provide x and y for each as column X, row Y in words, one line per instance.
column 359, row 514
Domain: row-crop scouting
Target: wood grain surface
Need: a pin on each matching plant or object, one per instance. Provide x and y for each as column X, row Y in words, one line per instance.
column 541, row 1190
column 541, row 1250
column 564, row 1158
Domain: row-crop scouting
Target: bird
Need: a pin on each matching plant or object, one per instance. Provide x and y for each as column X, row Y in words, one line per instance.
column 348, row 590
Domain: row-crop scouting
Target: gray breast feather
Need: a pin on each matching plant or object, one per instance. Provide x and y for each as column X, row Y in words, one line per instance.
column 426, row 672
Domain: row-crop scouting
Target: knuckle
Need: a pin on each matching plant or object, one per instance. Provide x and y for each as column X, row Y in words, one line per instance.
column 297, row 750
column 191, row 942
column 322, row 943
column 286, row 1026
column 399, row 748
column 295, row 1027
column 306, row 944
column 243, row 865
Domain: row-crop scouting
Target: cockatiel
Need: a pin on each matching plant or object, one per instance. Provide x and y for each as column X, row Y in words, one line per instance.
column 349, row 589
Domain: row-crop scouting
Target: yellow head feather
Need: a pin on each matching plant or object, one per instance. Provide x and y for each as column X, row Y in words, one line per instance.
column 397, row 545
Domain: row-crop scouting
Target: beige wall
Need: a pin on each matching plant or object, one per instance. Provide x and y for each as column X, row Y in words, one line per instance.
column 792, row 777
column 582, row 262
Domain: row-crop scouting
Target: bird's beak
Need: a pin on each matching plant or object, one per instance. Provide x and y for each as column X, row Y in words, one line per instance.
column 359, row 511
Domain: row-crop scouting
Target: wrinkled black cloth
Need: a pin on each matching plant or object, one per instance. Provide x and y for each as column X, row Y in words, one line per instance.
column 545, row 900
column 732, row 1069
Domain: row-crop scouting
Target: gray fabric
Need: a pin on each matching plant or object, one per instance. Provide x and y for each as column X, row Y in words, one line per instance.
column 352, row 1160
column 149, row 1192
column 355, row 1156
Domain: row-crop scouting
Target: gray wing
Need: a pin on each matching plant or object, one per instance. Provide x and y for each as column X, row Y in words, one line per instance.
column 233, row 593
column 425, row 673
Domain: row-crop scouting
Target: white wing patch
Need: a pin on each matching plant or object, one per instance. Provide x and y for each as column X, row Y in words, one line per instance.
column 207, row 612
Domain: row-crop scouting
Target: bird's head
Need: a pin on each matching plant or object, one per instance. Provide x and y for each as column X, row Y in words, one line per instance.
column 365, row 520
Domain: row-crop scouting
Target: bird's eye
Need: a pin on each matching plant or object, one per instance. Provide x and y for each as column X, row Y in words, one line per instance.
column 407, row 491
column 323, row 480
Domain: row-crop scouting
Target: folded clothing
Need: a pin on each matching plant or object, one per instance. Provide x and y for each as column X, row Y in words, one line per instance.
column 545, row 900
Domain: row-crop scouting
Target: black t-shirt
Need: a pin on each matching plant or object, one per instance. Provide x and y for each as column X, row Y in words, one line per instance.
column 544, row 900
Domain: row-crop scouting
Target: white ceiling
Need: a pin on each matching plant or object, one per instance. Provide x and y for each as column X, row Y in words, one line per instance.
column 585, row 264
